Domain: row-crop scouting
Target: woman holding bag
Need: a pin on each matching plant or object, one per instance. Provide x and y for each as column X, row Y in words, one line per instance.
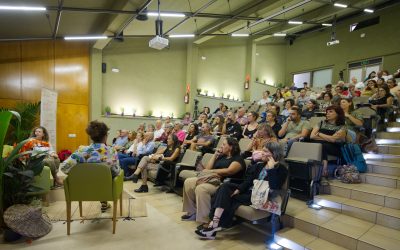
column 230, row 196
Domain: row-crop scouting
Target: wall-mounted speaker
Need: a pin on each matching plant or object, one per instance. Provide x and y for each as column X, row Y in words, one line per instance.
column 103, row 67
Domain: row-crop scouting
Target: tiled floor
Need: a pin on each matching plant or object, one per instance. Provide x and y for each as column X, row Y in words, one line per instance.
column 162, row 229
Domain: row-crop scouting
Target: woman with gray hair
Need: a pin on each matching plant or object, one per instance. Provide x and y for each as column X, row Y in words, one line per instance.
column 230, row 196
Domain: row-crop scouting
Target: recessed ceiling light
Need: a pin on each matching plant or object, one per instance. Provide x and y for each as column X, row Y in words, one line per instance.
column 295, row 22
column 22, row 8
column 85, row 37
column 165, row 14
column 340, row 5
column 181, row 35
column 368, row 10
column 279, row 34
column 327, row 24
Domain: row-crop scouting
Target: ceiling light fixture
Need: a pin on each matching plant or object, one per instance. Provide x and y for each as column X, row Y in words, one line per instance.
column 368, row 10
column 295, row 22
column 279, row 34
column 165, row 14
column 85, row 37
column 181, row 35
column 327, row 24
column 340, row 5
column 22, row 8
column 239, row 34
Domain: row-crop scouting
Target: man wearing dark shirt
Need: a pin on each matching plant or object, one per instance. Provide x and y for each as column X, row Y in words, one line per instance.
column 232, row 127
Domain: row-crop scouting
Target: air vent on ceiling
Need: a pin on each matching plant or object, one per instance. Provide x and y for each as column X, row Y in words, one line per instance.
column 364, row 24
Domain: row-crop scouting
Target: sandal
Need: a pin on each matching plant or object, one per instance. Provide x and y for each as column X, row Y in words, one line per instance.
column 105, row 206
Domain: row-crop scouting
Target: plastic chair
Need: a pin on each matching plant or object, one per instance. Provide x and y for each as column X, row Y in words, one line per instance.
column 93, row 182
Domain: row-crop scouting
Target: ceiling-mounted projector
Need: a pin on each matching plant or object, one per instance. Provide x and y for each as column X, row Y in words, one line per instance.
column 158, row 42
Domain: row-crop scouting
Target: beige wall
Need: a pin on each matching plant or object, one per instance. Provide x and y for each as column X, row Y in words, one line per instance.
column 223, row 70
column 148, row 79
column 310, row 51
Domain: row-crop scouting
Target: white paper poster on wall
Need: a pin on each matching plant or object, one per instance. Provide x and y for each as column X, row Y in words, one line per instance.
column 48, row 114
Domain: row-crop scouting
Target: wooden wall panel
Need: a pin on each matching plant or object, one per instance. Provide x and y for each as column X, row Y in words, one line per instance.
column 37, row 68
column 71, row 119
column 72, row 72
column 26, row 67
column 10, row 70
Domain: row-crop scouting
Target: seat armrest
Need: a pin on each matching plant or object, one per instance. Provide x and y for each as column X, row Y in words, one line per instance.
column 233, row 180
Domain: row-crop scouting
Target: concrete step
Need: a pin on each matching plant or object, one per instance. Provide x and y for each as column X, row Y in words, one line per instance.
column 391, row 181
column 382, row 157
column 388, row 135
column 378, row 195
column 387, row 142
column 380, row 167
column 292, row 238
column 383, row 216
column 389, row 149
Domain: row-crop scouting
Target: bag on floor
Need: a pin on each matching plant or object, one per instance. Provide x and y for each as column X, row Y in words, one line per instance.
column 348, row 174
column 352, row 155
column 208, row 177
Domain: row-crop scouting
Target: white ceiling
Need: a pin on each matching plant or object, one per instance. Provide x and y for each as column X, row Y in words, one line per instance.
column 214, row 19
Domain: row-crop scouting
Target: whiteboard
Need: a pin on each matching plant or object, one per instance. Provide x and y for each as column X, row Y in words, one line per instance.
column 322, row 78
column 299, row 79
column 48, row 114
column 357, row 73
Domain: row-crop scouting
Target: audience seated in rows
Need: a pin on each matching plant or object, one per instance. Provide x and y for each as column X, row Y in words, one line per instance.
column 204, row 141
column 353, row 118
column 187, row 119
column 144, row 147
column 309, row 109
column 158, row 130
column 217, row 125
column 302, row 99
column 168, row 158
column 122, row 139
column 226, row 162
column 179, row 132
column 272, row 121
column 191, row 136
column 241, row 117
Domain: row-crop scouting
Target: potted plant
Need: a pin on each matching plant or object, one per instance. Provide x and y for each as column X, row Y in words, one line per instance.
column 257, row 79
column 122, row 111
column 228, row 96
column 206, row 92
column 150, row 113
column 222, row 95
column 17, row 170
column 107, row 110
column 198, row 91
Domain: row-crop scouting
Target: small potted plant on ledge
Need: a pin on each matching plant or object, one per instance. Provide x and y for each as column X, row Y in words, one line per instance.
column 206, row 92
column 107, row 110
column 198, row 91
column 222, row 95
column 228, row 96
column 122, row 111
column 150, row 113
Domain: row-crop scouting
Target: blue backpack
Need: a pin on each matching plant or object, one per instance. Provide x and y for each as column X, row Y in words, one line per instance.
column 352, row 155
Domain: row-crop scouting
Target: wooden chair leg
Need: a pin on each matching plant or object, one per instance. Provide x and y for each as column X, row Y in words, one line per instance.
column 68, row 217
column 120, row 205
column 45, row 200
column 80, row 209
column 115, row 204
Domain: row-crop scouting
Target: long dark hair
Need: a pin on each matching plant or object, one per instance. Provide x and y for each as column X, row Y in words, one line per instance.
column 45, row 133
column 233, row 142
column 176, row 143
column 196, row 128
column 341, row 119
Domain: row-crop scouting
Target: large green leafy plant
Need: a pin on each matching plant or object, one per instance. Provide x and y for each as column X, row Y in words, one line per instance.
column 21, row 128
column 17, row 170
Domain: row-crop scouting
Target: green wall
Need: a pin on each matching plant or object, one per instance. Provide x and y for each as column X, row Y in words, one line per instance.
column 311, row 52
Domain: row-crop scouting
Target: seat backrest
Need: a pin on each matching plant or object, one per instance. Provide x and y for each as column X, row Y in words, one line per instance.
column 305, row 150
column 315, row 121
column 89, row 182
column 220, row 141
column 366, row 112
column 360, row 99
column 244, row 144
column 190, row 157
column 206, row 158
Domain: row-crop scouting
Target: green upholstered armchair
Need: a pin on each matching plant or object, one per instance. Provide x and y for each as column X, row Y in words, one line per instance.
column 93, row 182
